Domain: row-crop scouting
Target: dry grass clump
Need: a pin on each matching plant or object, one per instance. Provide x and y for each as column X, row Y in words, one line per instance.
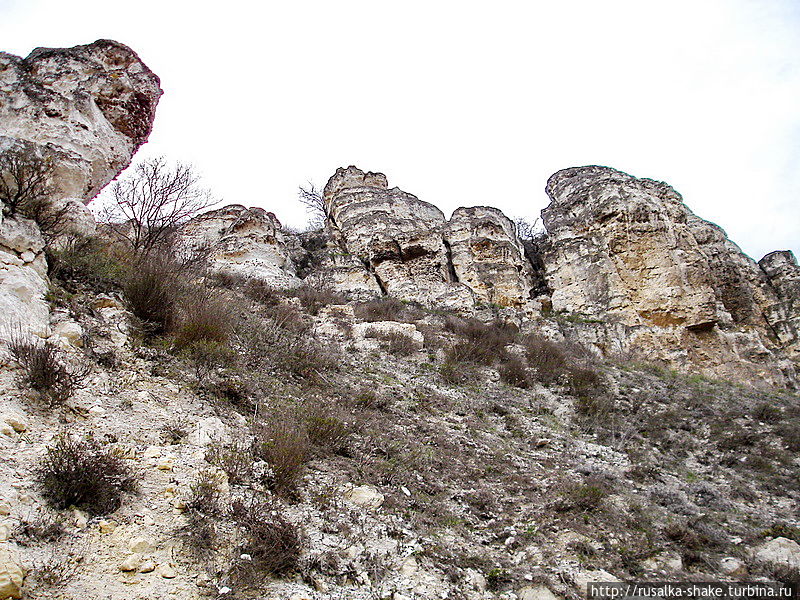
column 204, row 316
column 585, row 496
column 44, row 367
column 41, row 527
column 547, row 358
column 83, row 473
column 153, row 288
column 327, row 428
column 384, row 309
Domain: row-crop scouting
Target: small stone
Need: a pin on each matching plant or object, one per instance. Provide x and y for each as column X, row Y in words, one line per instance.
column 167, row 571
column 70, row 331
column 139, row 545
column 5, row 532
column 17, row 423
column 733, row 567
column 6, row 430
column 367, row 496
column 409, row 567
column 107, row 526
column 105, row 301
column 5, row 508
column 166, row 465
column 536, row 592
column 131, row 563
column 147, row 566
column 779, row 552
column 152, row 452
column 81, row 518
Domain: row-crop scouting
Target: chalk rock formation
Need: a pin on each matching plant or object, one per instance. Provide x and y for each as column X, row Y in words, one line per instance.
column 629, row 252
column 23, row 277
column 242, row 241
column 783, row 274
column 89, row 108
column 396, row 236
column 487, row 256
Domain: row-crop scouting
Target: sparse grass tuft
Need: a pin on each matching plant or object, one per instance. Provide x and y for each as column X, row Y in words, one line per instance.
column 384, row 309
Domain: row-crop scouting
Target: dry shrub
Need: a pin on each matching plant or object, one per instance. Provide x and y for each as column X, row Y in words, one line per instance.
column 313, row 295
column 284, row 445
column 38, row 528
column 44, row 367
column 513, row 372
column 582, row 497
column 766, row 412
column 85, row 260
column 273, row 543
column 235, row 458
column 547, row 358
column 326, row 428
column 482, row 343
column 395, row 342
column 153, row 288
column 204, row 316
column 385, row 309
column 454, row 372
column 266, row 344
column 368, row 399
column 205, row 356
column 83, row 473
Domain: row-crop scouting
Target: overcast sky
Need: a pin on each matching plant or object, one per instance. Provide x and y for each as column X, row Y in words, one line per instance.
column 464, row 103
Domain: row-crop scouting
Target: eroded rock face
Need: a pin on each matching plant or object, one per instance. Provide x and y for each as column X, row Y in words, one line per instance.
column 89, row 108
column 783, row 274
column 487, row 256
column 242, row 241
column 23, row 278
column 396, row 236
column 628, row 252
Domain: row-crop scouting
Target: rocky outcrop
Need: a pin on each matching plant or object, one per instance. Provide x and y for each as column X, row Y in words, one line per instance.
column 242, row 241
column 783, row 274
column 627, row 251
column 414, row 253
column 396, row 236
column 88, row 108
column 23, row 277
column 487, row 256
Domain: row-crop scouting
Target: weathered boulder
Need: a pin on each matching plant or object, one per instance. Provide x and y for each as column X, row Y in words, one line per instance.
column 395, row 235
column 11, row 574
column 779, row 552
column 628, row 252
column 242, row 241
column 89, row 108
column 487, row 256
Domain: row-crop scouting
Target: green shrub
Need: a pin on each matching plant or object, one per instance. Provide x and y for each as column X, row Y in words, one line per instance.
column 153, row 288
column 83, row 473
column 85, row 260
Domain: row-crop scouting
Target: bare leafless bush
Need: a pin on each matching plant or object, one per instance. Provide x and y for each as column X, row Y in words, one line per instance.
column 45, row 368
column 481, row 343
column 147, row 205
column 273, row 543
column 83, row 473
column 395, row 342
column 40, row 527
column 547, row 358
column 235, row 458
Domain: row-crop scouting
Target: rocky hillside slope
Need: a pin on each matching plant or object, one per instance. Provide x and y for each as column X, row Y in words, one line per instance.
column 397, row 406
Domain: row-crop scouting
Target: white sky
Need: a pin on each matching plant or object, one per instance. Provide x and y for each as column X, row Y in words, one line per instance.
column 465, row 103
